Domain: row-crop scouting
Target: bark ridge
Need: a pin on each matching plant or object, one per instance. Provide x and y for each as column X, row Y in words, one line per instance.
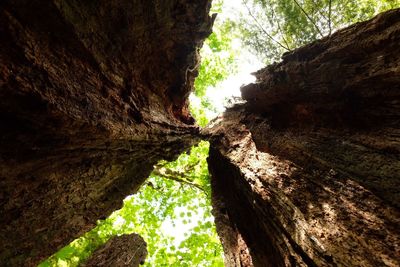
column 307, row 171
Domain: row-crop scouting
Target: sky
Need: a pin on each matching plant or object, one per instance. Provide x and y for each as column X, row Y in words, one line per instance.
column 246, row 61
column 247, row 64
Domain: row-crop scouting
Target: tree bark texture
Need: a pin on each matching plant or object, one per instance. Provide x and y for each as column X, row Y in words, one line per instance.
column 92, row 95
column 307, row 171
column 120, row 251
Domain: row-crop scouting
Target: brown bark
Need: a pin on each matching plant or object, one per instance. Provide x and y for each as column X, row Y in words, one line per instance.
column 120, row 251
column 92, row 95
column 236, row 251
column 308, row 169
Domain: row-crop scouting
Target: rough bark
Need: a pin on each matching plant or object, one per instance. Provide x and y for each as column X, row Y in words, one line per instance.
column 308, row 170
column 236, row 251
column 120, row 251
column 92, row 95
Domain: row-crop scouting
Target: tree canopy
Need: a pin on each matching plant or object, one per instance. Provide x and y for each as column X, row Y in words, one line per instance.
column 272, row 27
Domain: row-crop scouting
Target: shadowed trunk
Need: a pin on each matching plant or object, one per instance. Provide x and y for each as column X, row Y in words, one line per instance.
column 120, row 251
column 93, row 94
column 307, row 172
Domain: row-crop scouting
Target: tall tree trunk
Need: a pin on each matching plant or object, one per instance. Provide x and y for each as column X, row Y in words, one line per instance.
column 119, row 251
column 92, row 95
column 307, row 172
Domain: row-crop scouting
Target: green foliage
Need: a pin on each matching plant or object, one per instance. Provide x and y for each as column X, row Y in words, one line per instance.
column 153, row 212
column 217, row 59
column 277, row 26
column 217, row 63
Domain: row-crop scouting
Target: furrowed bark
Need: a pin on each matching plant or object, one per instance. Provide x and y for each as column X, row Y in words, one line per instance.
column 120, row 251
column 308, row 169
column 93, row 94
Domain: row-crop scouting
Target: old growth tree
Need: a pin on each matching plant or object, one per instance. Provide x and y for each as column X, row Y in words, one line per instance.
column 93, row 94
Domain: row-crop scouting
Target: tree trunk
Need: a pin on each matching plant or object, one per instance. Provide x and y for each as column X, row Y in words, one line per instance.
column 307, row 172
column 120, row 251
column 93, row 94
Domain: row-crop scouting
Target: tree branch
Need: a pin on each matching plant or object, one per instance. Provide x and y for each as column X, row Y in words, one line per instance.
column 262, row 29
column 279, row 27
column 329, row 17
column 309, row 18
column 320, row 12
column 163, row 172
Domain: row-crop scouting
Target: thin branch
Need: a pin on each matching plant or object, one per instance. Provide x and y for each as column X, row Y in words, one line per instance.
column 309, row 18
column 329, row 16
column 325, row 17
column 279, row 27
column 262, row 29
column 175, row 176
column 319, row 11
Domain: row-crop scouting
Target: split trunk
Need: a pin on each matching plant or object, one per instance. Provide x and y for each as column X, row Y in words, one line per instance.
column 93, row 94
